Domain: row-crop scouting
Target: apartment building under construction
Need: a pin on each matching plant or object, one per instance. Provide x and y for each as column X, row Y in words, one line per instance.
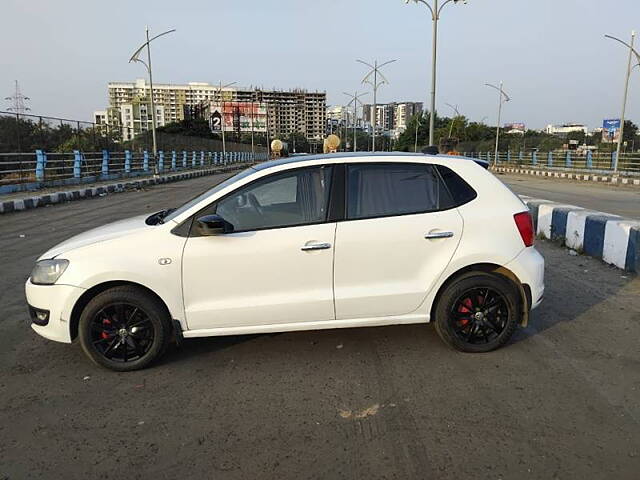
column 289, row 111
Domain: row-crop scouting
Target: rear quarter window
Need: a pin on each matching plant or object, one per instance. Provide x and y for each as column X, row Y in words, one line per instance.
column 461, row 191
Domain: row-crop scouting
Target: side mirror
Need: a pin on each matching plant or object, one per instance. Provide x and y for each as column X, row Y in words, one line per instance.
column 213, row 225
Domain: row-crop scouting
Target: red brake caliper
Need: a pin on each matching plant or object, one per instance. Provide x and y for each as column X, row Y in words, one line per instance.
column 104, row 334
column 465, row 307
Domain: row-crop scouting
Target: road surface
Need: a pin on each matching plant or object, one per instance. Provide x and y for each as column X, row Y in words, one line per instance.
column 619, row 200
column 562, row 400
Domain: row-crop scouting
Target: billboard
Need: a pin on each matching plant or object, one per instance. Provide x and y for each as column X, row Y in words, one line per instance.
column 238, row 117
column 611, row 130
column 519, row 127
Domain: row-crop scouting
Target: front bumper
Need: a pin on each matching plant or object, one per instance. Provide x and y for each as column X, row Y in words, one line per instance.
column 58, row 300
column 528, row 266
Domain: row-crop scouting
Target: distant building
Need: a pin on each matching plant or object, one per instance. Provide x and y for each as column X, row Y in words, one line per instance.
column 564, row 130
column 287, row 111
column 391, row 118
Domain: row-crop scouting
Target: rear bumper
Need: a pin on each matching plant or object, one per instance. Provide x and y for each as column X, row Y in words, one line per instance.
column 58, row 300
column 528, row 266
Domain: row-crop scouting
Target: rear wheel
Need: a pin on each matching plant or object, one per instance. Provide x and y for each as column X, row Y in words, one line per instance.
column 124, row 328
column 478, row 312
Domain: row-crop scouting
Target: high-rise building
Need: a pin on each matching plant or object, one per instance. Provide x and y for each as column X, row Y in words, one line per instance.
column 287, row 111
column 391, row 118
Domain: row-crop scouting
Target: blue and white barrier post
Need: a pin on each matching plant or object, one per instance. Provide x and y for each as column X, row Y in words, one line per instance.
column 40, row 164
column 160, row 161
column 77, row 161
column 105, row 163
column 127, row 161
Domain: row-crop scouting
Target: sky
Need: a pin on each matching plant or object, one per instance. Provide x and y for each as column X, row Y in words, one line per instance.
column 551, row 54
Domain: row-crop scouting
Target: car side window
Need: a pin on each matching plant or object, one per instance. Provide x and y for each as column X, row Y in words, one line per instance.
column 388, row 189
column 298, row 197
column 460, row 190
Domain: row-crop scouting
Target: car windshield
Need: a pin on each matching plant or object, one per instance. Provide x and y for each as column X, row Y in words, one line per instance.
column 194, row 201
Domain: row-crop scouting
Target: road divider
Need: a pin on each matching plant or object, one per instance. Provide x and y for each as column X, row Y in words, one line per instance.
column 611, row 238
column 583, row 177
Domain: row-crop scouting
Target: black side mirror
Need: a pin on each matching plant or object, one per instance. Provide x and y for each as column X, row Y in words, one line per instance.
column 213, row 225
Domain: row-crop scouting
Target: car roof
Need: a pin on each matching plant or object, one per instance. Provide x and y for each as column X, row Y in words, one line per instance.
column 348, row 155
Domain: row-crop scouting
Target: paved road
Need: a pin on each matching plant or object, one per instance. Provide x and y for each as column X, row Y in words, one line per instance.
column 561, row 401
column 619, row 200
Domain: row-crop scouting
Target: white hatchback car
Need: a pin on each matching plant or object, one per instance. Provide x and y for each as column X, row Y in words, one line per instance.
column 329, row 241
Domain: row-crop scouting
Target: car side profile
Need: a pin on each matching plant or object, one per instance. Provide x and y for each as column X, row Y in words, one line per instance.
column 306, row 243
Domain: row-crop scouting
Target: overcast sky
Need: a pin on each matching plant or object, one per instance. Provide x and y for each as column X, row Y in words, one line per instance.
column 551, row 54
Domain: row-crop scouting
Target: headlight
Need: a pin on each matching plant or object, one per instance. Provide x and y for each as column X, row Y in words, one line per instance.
column 47, row 272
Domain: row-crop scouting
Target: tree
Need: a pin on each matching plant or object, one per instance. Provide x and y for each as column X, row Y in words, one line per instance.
column 630, row 132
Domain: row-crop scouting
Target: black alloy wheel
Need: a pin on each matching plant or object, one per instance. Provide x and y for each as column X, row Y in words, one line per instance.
column 122, row 333
column 478, row 312
column 124, row 328
column 479, row 315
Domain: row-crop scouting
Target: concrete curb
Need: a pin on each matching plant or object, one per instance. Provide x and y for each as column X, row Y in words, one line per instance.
column 84, row 193
column 615, row 180
column 611, row 238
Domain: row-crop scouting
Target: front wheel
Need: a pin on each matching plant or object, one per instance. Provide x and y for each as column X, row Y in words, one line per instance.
column 124, row 328
column 478, row 312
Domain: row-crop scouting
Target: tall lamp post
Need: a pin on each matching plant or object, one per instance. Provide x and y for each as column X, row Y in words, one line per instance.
column 220, row 87
column 502, row 98
column 375, row 72
column 135, row 58
column 415, row 144
column 355, row 99
column 455, row 109
column 436, row 10
column 632, row 51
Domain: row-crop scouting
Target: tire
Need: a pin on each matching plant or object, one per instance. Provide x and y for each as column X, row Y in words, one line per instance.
column 463, row 320
column 124, row 329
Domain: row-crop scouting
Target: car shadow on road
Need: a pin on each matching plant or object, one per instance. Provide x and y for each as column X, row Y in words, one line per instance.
column 577, row 286
column 199, row 347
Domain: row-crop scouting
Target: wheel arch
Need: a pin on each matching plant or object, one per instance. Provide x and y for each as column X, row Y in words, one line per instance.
column 523, row 289
column 86, row 297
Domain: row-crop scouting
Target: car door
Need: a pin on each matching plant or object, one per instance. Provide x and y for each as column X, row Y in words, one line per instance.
column 399, row 234
column 275, row 267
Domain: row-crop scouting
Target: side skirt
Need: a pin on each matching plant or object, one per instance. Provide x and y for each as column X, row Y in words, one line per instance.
column 293, row 327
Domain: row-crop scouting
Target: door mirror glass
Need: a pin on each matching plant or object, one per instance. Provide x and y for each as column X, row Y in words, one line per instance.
column 213, row 225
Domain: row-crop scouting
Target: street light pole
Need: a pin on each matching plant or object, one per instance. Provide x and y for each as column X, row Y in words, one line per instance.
column 436, row 10
column 415, row 145
column 632, row 51
column 224, row 144
column 355, row 99
column 455, row 109
column 375, row 71
column 502, row 97
column 135, row 58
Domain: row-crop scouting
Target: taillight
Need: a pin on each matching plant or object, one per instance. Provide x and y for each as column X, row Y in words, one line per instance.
column 524, row 222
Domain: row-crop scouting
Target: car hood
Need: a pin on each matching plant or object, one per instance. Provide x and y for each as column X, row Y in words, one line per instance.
column 100, row 234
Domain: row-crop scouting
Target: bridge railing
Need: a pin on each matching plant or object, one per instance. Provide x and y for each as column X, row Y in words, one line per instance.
column 595, row 162
column 30, row 171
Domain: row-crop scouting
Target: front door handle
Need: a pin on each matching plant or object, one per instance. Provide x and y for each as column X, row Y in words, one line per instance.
column 433, row 235
column 315, row 246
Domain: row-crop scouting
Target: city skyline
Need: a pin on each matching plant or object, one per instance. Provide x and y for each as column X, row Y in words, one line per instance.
column 570, row 72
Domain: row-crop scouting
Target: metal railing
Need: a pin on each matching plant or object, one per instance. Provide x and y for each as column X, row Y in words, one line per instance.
column 23, row 171
column 589, row 162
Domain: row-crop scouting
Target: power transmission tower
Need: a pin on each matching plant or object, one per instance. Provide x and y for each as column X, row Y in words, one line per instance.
column 18, row 101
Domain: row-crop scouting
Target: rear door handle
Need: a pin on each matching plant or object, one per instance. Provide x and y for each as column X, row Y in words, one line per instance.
column 315, row 246
column 433, row 235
